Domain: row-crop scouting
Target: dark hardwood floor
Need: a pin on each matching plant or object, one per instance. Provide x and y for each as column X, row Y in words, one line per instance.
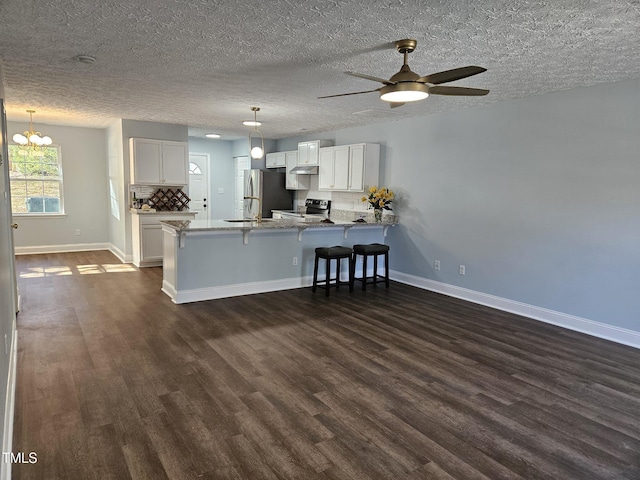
column 116, row 382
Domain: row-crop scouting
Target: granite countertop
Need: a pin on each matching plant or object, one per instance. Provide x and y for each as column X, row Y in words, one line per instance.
column 267, row 224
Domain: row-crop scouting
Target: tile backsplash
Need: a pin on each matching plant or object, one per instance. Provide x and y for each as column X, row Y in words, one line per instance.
column 348, row 201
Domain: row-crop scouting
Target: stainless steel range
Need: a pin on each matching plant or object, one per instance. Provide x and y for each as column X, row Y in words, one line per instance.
column 314, row 209
column 318, row 207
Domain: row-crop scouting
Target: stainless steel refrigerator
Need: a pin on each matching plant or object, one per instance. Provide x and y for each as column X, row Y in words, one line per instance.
column 265, row 191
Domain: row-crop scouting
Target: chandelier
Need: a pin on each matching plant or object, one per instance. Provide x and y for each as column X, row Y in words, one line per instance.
column 30, row 138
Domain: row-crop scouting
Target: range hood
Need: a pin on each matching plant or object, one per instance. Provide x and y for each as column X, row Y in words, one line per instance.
column 305, row 170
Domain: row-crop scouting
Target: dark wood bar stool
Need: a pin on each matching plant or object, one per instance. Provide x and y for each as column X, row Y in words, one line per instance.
column 336, row 253
column 373, row 249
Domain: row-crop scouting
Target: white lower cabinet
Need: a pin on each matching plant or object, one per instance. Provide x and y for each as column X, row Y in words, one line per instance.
column 349, row 168
column 151, row 243
column 147, row 236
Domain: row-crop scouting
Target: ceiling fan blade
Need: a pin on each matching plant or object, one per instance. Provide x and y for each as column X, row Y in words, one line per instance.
column 464, row 91
column 369, row 77
column 396, row 104
column 352, row 93
column 451, row 75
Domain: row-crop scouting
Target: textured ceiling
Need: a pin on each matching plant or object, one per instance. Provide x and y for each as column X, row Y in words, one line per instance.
column 204, row 63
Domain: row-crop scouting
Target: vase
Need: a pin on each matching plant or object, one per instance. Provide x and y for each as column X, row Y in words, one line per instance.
column 377, row 213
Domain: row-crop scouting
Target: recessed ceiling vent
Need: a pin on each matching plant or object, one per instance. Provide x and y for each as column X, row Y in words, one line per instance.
column 86, row 59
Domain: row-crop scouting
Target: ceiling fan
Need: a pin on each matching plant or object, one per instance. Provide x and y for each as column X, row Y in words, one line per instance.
column 407, row 86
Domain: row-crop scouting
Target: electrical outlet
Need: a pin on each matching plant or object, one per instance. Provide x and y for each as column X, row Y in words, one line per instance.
column 221, row 190
column 295, row 260
column 462, row 270
column 436, row 265
column 77, row 232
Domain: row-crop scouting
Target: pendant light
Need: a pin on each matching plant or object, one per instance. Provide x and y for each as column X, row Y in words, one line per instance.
column 30, row 138
column 256, row 152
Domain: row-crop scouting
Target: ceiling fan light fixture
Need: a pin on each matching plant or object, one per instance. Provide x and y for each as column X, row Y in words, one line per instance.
column 404, row 92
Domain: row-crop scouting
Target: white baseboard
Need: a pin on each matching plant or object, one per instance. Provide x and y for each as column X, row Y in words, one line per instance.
column 75, row 247
column 571, row 322
column 10, row 401
column 212, row 293
column 72, row 247
column 117, row 252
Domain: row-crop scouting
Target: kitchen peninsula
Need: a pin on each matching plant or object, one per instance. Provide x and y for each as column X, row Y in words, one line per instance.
column 209, row 259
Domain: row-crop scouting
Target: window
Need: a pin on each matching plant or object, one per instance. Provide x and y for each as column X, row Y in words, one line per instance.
column 36, row 180
column 194, row 169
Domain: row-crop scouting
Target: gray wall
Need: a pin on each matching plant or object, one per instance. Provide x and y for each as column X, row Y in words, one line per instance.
column 83, row 153
column 538, row 197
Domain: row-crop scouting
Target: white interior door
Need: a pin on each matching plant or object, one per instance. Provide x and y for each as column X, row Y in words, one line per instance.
column 199, row 185
column 8, row 295
column 240, row 164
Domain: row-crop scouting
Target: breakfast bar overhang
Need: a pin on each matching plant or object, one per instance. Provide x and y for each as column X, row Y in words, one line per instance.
column 210, row 259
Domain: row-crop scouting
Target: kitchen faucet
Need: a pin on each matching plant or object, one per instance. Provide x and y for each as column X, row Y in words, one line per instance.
column 258, row 216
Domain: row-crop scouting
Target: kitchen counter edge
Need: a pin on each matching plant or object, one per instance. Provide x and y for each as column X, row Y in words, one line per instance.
column 222, row 225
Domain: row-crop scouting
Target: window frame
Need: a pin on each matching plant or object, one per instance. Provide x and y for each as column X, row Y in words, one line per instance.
column 60, row 181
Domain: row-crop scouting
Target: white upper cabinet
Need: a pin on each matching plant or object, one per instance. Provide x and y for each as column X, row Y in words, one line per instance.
column 293, row 180
column 276, row 160
column 308, row 152
column 333, row 170
column 357, row 168
column 349, row 168
column 159, row 162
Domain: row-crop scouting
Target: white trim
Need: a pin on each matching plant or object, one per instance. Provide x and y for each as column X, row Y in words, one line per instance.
column 225, row 291
column 10, row 402
column 72, row 247
column 75, row 247
column 571, row 322
column 249, row 288
column 38, row 215
column 118, row 253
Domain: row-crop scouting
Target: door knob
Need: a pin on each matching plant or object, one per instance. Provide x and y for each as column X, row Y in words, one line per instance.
column 14, row 226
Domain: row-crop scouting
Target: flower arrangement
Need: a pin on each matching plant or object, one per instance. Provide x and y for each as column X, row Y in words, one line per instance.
column 379, row 199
